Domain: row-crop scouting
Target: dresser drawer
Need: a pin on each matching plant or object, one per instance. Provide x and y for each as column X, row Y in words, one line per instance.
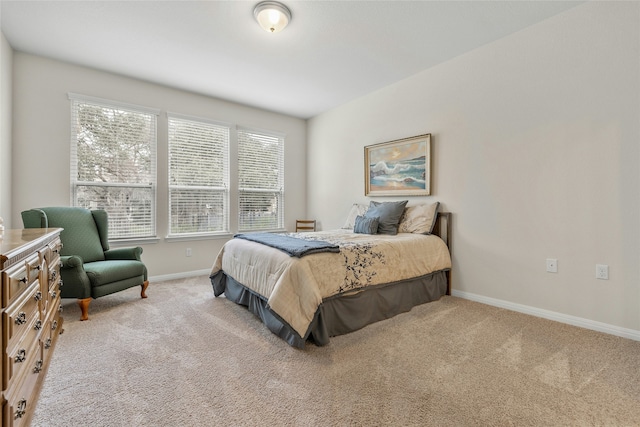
column 52, row 326
column 54, row 252
column 18, row 278
column 54, row 291
column 33, row 265
column 54, row 276
column 19, row 316
column 49, row 295
column 15, row 358
column 21, row 399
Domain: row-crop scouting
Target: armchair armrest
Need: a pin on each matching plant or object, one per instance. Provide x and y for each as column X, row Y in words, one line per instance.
column 131, row 253
column 75, row 282
column 72, row 262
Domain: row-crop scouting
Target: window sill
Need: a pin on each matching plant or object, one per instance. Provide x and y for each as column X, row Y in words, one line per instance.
column 133, row 242
column 186, row 238
column 271, row 230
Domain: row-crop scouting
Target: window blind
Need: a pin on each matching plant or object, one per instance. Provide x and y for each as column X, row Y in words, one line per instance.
column 198, row 176
column 113, row 163
column 261, row 180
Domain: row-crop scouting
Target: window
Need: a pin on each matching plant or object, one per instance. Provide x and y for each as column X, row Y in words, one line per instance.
column 113, row 163
column 198, row 176
column 261, row 180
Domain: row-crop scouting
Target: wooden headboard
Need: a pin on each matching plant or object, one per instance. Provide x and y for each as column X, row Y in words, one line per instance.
column 442, row 229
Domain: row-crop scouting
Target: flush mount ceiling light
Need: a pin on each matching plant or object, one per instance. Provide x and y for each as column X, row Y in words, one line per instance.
column 272, row 16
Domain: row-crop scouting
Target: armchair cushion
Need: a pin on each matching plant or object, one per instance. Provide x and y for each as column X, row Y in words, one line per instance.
column 103, row 272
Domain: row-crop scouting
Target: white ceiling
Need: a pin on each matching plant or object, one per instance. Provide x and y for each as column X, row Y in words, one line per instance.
column 331, row 52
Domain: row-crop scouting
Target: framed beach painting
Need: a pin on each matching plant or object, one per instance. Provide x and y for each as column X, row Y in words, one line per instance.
column 398, row 168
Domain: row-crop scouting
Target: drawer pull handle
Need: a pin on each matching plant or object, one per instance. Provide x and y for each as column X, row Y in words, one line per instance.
column 24, row 279
column 21, row 409
column 54, row 325
column 60, row 308
column 38, row 367
column 22, row 318
column 38, row 296
column 53, row 294
column 21, row 356
column 47, row 343
column 38, row 325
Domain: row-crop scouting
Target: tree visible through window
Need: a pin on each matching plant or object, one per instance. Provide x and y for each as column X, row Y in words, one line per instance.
column 261, row 180
column 198, row 176
column 113, row 164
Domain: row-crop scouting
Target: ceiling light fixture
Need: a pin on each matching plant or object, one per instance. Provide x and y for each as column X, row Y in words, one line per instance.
column 272, row 16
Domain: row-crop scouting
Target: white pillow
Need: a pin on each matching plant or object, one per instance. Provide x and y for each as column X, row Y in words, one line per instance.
column 419, row 219
column 356, row 210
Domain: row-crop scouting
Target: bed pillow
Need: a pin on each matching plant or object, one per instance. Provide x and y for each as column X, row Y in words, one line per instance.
column 366, row 225
column 356, row 209
column 389, row 213
column 419, row 219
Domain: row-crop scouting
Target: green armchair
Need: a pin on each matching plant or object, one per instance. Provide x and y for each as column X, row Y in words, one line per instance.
column 89, row 269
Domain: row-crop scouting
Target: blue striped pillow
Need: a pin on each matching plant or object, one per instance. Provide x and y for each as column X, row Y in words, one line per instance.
column 366, row 225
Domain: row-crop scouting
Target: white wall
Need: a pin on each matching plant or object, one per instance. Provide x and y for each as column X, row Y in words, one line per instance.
column 41, row 156
column 536, row 153
column 6, row 68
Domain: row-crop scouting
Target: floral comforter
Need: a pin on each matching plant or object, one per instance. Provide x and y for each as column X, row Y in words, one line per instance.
column 295, row 287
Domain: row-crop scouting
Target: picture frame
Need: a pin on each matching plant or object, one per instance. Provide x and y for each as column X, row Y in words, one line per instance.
column 398, row 168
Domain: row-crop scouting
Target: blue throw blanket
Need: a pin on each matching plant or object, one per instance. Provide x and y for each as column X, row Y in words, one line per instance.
column 291, row 245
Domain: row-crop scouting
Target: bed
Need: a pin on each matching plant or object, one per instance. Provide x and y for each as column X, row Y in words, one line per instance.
column 357, row 279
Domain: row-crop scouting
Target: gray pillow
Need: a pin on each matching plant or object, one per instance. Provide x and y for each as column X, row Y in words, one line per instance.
column 389, row 213
column 365, row 225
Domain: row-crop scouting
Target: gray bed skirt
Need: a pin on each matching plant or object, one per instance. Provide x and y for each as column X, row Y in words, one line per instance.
column 340, row 314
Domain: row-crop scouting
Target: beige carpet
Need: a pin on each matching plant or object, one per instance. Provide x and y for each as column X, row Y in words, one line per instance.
column 184, row 358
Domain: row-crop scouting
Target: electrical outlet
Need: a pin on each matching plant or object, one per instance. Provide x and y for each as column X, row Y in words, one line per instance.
column 602, row 271
column 188, row 252
column 552, row 265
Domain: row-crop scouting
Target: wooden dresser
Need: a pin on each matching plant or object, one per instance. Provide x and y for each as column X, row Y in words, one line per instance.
column 31, row 322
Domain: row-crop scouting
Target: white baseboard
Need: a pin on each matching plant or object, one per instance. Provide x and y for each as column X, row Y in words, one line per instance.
column 520, row 308
column 176, row 276
column 552, row 315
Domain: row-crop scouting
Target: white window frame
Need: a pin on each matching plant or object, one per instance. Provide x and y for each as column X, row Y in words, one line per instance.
column 151, row 186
